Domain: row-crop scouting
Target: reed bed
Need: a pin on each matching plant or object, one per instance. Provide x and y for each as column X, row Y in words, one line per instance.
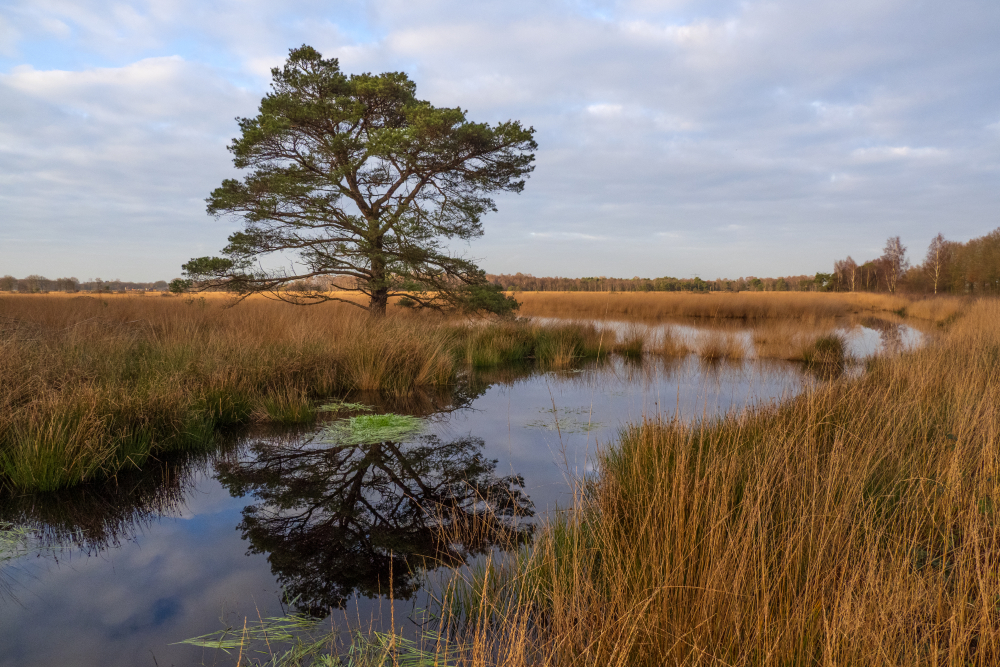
column 856, row 524
column 92, row 386
column 804, row 306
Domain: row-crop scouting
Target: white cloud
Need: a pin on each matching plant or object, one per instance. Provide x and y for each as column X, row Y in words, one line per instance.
column 574, row 236
column 885, row 153
column 605, row 110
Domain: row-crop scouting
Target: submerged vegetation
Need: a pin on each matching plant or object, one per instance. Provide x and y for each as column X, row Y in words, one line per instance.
column 13, row 541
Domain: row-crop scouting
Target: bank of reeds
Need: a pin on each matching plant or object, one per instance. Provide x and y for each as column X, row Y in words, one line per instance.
column 91, row 386
column 857, row 524
column 805, row 306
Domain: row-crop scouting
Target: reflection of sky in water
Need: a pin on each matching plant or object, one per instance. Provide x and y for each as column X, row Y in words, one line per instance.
column 865, row 336
column 173, row 577
column 519, row 421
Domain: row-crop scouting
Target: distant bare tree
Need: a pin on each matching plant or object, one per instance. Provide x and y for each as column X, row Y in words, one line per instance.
column 33, row 283
column 846, row 272
column 851, row 272
column 894, row 262
column 937, row 256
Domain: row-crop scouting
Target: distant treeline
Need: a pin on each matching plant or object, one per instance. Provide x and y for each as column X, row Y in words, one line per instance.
column 38, row 284
column 949, row 267
column 529, row 283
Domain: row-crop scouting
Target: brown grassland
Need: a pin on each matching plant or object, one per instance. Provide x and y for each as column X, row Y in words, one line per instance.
column 751, row 306
column 856, row 524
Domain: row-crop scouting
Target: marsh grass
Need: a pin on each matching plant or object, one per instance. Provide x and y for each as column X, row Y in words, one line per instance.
column 821, row 343
column 371, row 429
column 561, row 345
column 93, row 386
column 853, row 525
column 631, row 342
column 830, row 349
column 749, row 306
column 719, row 345
column 671, row 344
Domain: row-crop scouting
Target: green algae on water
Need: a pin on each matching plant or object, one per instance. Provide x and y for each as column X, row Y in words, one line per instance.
column 370, row 429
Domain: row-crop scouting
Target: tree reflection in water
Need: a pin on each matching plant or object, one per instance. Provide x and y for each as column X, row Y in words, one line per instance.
column 338, row 520
column 97, row 516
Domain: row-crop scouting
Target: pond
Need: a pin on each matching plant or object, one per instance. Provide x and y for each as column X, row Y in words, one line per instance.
column 116, row 574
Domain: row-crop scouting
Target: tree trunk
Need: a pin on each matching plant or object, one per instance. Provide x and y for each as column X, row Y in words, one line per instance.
column 379, row 283
column 378, row 302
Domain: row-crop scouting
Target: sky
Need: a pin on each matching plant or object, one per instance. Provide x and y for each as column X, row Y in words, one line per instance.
column 712, row 138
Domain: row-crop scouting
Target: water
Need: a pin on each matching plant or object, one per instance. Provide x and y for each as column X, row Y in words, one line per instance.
column 120, row 573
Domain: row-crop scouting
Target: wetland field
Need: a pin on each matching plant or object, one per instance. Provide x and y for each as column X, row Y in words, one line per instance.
column 609, row 479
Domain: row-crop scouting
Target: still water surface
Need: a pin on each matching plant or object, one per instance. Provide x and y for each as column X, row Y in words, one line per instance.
column 119, row 573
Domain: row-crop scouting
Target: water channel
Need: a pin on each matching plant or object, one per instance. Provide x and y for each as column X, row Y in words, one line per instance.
column 118, row 573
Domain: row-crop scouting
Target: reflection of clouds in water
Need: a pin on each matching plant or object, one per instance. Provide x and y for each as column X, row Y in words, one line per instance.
column 610, row 393
column 117, row 607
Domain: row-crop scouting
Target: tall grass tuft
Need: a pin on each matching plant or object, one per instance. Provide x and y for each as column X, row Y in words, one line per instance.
column 631, row 342
column 671, row 344
column 718, row 345
column 826, row 350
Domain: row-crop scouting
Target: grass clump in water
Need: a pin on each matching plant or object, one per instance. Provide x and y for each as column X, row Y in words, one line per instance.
column 13, row 541
column 297, row 639
column 370, row 429
column 631, row 342
column 826, row 350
